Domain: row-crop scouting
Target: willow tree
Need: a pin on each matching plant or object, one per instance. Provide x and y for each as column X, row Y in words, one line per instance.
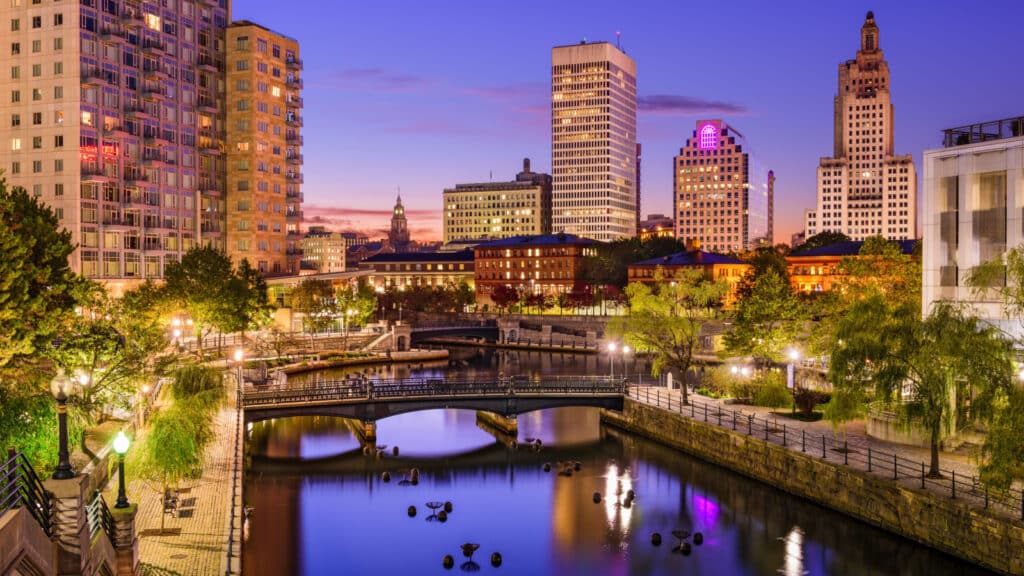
column 916, row 367
column 666, row 318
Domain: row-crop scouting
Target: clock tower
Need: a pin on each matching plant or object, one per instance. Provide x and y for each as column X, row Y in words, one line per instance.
column 398, row 238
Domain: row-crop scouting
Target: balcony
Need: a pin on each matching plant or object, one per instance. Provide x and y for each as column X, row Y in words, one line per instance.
column 293, row 251
column 131, row 17
column 135, row 177
column 294, row 64
column 294, row 140
column 294, row 177
column 154, row 139
column 208, row 64
column 153, row 94
column 295, row 159
column 114, row 132
column 296, row 196
column 293, row 215
column 111, row 34
column 120, row 223
column 154, row 73
column 295, row 121
column 294, row 102
column 208, row 105
column 153, row 160
column 210, row 147
column 154, row 47
column 93, row 173
column 983, row 132
column 210, row 3
column 93, row 77
column 294, row 84
column 138, row 111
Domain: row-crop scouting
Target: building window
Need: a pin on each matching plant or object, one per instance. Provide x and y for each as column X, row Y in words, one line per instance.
column 37, row 22
column 58, row 19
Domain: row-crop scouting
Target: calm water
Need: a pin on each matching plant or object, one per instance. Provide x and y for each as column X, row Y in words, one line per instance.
column 320, row 506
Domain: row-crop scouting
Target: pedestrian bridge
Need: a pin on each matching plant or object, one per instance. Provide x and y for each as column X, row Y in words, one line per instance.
column 372, row 400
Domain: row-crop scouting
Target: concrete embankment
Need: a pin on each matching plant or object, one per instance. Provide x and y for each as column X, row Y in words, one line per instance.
column 941, row 523
column 409, row 357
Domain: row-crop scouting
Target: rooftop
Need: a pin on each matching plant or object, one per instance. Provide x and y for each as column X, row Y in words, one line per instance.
column 983, row 132
column 849, row 249
column 460, row 256
column 691, row 258
column 539, row 240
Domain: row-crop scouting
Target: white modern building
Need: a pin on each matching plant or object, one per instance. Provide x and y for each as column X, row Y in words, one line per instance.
column 973, row 194
column 593, row 141
column 865, row 189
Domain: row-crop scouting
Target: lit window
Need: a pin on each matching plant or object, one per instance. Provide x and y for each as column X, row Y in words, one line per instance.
column 153, row 22
column 708, row 137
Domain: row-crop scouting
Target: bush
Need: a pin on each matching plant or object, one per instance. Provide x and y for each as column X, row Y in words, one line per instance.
column 719, row 381
column 807, row 400
column 704, row 391
column 193, row 379
column 771, row 391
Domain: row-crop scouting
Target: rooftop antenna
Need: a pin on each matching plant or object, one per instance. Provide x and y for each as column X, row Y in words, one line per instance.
column 618, row 40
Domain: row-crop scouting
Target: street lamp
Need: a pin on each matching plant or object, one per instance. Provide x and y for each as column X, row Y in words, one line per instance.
column 625, row 353
column 794, row 356
column 121, row 443
column 62, row 387
column 611, row 359
column 239, row 360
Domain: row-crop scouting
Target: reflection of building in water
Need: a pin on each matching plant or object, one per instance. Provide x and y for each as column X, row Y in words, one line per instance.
column 299, row 436
column 274, row 526
column 574, row 425
column 579, row 525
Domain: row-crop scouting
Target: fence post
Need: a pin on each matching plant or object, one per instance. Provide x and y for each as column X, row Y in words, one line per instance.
column 803, row 440
column 922, row 474
column 986, row 497
column 846, row 453
column 766, row 430
column 953, row 484
column 783, row 434
column 895, row 467
column 705, row 412
column 734, row 420
column 719, row 415
column 750, row 432
column 823, row 453
column 869, row 458
column 691, row 409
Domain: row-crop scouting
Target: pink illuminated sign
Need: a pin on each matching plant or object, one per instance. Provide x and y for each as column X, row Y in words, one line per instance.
column 708, row 137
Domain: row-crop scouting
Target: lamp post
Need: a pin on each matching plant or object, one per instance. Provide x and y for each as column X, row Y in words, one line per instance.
column 62, row 387
column 239, row 361
column 625, row 367
column 121, row 443
column 794, row 356
column 611, row 359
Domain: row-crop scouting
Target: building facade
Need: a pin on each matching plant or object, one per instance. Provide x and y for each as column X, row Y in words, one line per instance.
column 593, row 141
column 264, row 148
column 404, row 270
column 113, row 116
column 549, row 264
column 323, row 250
column 973, row 191
column 657, row 226
column 491, row 210
column 398, row 237
column 722, row 198
column 817, row 269
column 865, row 189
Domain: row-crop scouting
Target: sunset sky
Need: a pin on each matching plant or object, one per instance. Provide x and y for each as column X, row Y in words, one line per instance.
column 423, row 95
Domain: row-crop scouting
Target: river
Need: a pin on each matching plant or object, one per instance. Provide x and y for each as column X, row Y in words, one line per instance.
column 319, row 506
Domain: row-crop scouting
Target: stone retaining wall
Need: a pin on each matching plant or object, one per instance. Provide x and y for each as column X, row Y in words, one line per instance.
column 932, row 520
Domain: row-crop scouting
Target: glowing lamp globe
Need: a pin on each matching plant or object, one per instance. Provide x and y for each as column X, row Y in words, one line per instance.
column 121, row 443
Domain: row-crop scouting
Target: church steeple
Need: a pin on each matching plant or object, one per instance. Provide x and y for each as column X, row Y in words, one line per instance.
column 398, row 238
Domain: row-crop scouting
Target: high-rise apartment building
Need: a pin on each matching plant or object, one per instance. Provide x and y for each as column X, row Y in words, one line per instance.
column 264, row 148
column 324, row 250
column 490, row 210
column 865, row 189
column 723, row 200
column 112, row 113
column 593, row 141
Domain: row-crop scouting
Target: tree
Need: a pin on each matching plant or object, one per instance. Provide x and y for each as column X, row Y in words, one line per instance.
column 199, row 284
column 667, row 318
column 247, row 303
column 820, row 239
column 609, row 265
column 357, row 305
column 315, row 300
column 767, row 321
column 504, row 296
column 921, row 368
column 762, row 260
column 38, row 290
column 464, row 296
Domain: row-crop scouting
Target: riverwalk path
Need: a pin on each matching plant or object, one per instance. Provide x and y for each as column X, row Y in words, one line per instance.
column 850, row 446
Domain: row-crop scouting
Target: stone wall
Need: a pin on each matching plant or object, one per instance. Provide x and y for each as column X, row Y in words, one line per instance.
column 932, row 520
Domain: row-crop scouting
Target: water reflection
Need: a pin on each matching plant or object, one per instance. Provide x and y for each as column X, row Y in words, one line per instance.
column 321, row 506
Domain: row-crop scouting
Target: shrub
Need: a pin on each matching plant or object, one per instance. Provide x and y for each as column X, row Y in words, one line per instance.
column 193, row 379
column 771, row 391
column 719, row 381
column 807, row 400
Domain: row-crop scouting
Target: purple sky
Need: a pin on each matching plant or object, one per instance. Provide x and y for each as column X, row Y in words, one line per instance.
column 424, row 95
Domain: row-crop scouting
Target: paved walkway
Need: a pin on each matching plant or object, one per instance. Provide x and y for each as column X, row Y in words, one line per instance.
column 864, row 453
column 198, row 544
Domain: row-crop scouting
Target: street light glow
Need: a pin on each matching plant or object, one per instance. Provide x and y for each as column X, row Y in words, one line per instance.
column 611, row 346
column 625, row 349
column 177, row 332
column 794, row 354
column 239, row 354
column 121, row 443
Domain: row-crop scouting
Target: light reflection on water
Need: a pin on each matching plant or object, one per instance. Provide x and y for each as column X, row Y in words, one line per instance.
column 332, row 513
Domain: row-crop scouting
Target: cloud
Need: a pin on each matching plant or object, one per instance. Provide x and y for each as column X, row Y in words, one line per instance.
column 670, row 104
column 334, row 213
column 374, row 80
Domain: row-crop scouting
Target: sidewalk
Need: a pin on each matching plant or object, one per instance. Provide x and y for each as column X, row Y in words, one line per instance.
column 810, row 437
column 198, row 545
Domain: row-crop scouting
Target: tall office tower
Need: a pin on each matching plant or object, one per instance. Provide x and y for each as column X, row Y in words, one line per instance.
column 111, row 114
column 489, row 210
column 638, row 219
column 593, row 141
column 264, row 148
column 865, row 189
column 722, row 197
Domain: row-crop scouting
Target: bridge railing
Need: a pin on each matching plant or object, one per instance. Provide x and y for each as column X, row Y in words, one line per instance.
column 365, row 390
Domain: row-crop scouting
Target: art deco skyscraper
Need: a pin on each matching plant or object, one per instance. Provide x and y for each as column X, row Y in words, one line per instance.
column 112, row 114
column 865, row 189
column 264, row 191
column 593, row 141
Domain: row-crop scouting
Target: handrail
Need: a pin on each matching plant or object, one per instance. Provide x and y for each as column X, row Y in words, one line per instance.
column 878, row 462
column 99, row 517
column 408, row 388
column 20, row 487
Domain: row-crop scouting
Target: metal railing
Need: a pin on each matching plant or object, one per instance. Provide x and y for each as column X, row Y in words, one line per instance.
column 415, row 388
column 99, row 517
column 983, row 132
column 20, row 487
column 235, row 532
column 877, row 462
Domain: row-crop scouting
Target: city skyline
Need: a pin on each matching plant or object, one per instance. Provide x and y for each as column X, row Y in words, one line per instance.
column 416, row 108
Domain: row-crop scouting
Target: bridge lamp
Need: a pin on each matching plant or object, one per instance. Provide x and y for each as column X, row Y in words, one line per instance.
column 121, row 443
column 239, row 360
